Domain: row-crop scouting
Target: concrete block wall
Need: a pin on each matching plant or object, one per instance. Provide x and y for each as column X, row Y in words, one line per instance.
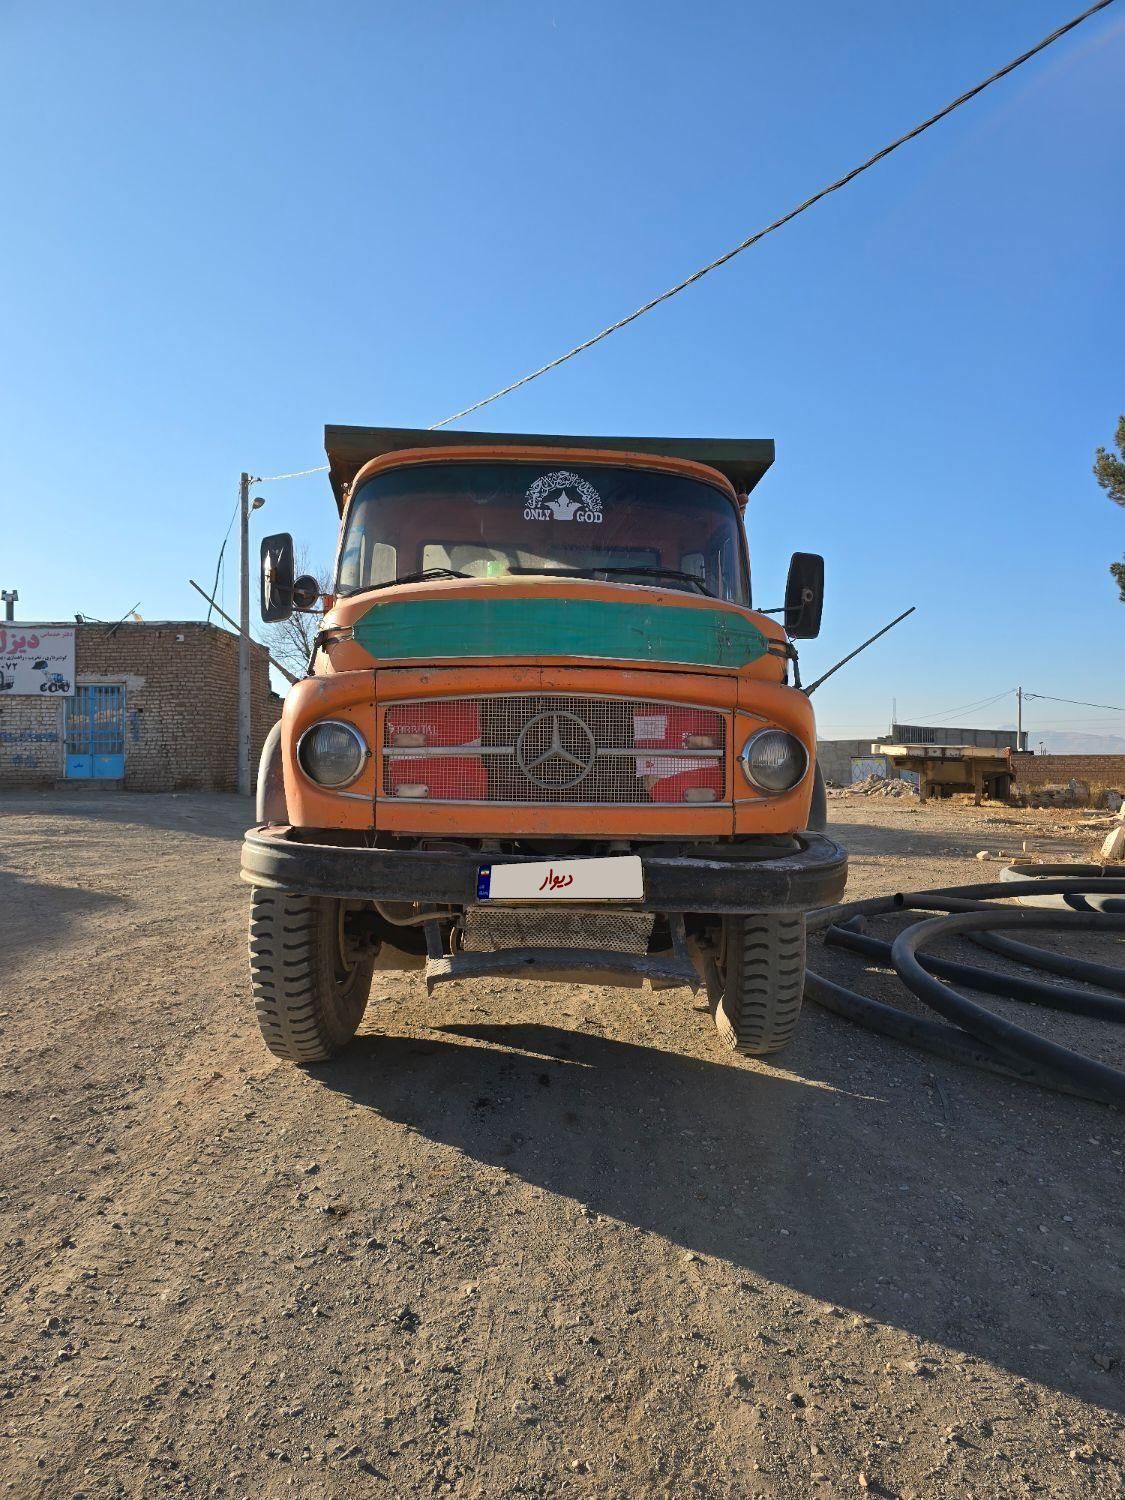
column 835, row 757
column 181, row 708
column 1101, row 773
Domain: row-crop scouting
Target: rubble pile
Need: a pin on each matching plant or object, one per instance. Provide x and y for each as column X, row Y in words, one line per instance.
column 883, row 786
column 1073, row 794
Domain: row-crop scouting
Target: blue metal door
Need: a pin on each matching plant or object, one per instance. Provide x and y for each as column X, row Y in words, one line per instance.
column 95, row 733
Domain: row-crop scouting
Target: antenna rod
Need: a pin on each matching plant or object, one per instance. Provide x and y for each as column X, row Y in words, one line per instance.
column 123, row 618
column 869, row 642
column 285, row 672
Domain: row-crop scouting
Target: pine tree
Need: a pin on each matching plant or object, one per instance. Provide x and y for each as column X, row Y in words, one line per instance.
column 1109, row 471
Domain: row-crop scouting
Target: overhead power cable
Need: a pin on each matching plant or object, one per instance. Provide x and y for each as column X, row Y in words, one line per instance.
column 786, row 218
column 222, row 550
column 296, row 474
column 968, row 708
column 1078, row 702
column 721, row 260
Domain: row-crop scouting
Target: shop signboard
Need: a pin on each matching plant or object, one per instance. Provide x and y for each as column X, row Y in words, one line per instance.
column 36, row 660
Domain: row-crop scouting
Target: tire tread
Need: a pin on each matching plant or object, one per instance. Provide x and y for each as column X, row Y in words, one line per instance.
column 305, row 1014
column 763, row 981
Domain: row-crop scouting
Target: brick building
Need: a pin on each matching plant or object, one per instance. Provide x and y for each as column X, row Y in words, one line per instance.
column 1092, row 775
column 152, row 707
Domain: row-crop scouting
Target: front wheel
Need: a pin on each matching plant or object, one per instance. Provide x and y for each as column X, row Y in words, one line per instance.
column 310, row 981
column 761, row 970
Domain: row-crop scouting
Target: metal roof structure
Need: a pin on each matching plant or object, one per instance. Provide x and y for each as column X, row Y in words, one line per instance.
column 742, row 460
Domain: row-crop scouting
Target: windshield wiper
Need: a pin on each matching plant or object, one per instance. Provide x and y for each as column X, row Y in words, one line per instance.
column 422, row 576
column 627, row 572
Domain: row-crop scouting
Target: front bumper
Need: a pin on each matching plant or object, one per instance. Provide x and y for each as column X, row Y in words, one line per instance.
column 725, row 879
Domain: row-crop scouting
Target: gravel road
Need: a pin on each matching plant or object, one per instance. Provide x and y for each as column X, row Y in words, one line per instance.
column 524, row 1239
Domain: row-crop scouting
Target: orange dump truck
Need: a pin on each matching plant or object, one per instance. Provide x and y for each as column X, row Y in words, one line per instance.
column 543, row 734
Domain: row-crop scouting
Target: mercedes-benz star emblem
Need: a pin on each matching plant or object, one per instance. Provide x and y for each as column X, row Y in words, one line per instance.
column 555, row 750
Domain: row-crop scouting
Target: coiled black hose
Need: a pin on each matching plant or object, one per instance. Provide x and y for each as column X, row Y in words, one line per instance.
column 977, row 1037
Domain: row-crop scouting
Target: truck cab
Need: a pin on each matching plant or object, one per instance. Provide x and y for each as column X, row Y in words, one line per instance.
column 544, row 733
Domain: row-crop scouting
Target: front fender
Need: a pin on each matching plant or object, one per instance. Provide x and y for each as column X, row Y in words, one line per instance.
column 269, row 802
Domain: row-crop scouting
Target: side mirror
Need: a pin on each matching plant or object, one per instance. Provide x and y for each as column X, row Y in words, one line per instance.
column 277, row 577
column 306, row 592
column 804, row 596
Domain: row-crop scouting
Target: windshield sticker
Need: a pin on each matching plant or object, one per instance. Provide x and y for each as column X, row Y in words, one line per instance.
column 563, row 496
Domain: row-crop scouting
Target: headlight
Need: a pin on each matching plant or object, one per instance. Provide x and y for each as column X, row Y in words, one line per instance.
column 331, row 753
column 773, row 761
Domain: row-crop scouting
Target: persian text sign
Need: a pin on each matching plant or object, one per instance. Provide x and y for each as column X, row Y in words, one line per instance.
column 36, row 660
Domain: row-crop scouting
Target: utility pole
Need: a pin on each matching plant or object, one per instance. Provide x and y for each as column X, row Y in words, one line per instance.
column 244, row 639
column 1019, row 718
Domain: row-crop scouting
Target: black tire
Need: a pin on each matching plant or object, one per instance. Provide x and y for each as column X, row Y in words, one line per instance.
column 309, row 992
column 762, row 981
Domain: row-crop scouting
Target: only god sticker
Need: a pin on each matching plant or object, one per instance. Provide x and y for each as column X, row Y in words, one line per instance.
column 563, row 496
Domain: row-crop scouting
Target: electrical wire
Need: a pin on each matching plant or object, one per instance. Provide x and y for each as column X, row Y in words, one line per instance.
column 752, row 239
column 296, row 474
column 786, row 218
column 965, row 708
column 1078, row 702
column 222, row 550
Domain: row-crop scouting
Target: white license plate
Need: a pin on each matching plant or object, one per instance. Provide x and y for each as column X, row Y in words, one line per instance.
column 618, row 878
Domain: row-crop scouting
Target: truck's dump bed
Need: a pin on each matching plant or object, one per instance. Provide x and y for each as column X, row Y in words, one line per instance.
column 742, row 460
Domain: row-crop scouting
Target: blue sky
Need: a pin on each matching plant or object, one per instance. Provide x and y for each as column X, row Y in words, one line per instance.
column 226, row 225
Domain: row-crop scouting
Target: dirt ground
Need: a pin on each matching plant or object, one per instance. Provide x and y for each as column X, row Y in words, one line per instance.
column 524, row 1239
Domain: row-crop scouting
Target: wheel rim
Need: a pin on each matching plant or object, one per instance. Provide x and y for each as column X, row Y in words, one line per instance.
column 343, row 965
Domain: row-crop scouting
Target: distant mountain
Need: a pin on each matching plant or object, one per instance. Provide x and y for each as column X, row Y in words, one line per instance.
column 1063, row 742
column 1070, row 742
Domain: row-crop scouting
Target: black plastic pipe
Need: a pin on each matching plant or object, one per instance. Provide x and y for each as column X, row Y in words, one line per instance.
column 978, row 1038
column 1097, row 1080
column 1063, row 997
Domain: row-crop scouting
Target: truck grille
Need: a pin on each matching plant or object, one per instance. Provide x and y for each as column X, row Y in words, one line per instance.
column 553, row 748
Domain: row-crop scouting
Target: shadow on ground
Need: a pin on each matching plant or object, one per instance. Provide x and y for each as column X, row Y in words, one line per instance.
column 212, row 814
column 800, row 1181
column 37, row 914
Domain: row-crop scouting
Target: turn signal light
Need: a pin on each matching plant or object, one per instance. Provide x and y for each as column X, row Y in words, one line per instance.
column 412, row 789
column 702, row 741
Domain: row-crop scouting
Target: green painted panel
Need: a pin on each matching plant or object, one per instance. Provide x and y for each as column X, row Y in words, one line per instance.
column 444, row 629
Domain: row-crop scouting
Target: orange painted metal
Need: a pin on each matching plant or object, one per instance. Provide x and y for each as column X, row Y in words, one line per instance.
column 351, row 685
column 701, row 689
column 535, row 820
column 762, row 704
column 349, row 696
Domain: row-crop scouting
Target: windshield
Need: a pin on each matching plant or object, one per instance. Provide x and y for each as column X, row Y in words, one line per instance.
column 489, row 520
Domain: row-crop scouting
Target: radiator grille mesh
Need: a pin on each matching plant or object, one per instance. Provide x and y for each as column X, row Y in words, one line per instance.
column 489, row 930
column 553, row 748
